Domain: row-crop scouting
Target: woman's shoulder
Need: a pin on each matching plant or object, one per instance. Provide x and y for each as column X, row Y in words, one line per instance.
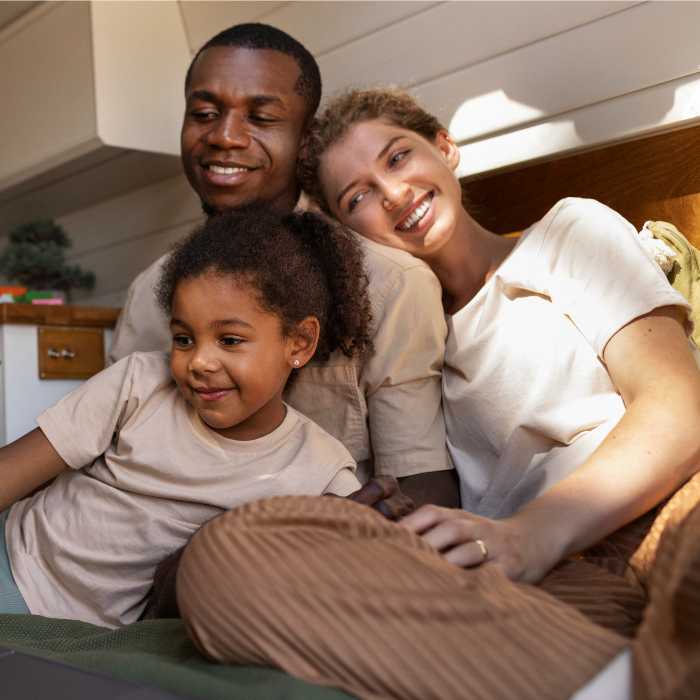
column 577, row 220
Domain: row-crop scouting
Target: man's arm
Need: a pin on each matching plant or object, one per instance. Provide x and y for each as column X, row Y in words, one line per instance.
column 440, row 488
column 402, row 379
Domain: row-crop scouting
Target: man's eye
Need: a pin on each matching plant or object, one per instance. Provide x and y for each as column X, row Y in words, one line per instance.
column 262, row 118
column 230, row 340
column 355, row 200
column 182, row 341
column 204, row 115
column 397, row 157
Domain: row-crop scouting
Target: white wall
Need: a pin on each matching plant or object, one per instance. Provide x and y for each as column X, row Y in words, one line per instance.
column 513, row 81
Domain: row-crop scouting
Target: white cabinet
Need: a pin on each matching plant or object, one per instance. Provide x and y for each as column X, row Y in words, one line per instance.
column 95, row 100
column 24, row 394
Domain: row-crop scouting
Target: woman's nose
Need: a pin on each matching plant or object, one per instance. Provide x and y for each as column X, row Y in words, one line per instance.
column 229, row 131
column 394, row 194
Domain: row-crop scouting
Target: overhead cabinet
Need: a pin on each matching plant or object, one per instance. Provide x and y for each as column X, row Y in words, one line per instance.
column 93, row 101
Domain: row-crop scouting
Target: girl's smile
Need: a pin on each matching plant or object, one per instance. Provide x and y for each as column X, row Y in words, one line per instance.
column 229, row 357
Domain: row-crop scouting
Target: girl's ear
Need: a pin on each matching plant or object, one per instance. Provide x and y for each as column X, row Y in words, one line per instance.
column 302, row 342
column 448, row 148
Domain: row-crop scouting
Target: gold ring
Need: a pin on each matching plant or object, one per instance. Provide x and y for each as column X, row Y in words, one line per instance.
column 484, row 550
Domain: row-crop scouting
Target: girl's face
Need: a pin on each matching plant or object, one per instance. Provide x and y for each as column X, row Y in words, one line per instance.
column 393, row 186
column 229, row 357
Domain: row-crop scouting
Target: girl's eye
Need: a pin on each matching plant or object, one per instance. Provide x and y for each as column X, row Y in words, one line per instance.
column 398, row 157
column 182, row 341
column 355, row 200
column 230, row 340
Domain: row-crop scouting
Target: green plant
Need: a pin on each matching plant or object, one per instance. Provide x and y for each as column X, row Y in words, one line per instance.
column 36, row 258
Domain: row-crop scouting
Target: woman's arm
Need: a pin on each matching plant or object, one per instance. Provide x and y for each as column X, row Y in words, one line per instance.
column 653, row 449
column 26, row 464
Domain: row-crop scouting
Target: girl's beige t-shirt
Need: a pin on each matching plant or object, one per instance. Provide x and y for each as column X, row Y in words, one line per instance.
column 146, row 473
column 526, row 395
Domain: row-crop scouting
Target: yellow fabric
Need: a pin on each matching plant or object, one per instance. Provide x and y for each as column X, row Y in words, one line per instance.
column 685, row 274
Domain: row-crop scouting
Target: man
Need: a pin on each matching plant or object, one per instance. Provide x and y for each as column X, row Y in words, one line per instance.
column 251, row 93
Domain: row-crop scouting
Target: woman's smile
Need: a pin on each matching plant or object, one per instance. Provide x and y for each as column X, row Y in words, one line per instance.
column 418, row 216
column 385, row 182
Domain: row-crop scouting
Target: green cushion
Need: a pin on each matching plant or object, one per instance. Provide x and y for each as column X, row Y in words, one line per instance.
column 155, row 653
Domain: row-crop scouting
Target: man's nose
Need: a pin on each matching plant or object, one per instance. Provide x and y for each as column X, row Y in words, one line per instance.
column 229, row 131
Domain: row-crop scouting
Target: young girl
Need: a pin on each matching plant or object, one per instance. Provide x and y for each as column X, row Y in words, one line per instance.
column 149, row 449
column 570, row 390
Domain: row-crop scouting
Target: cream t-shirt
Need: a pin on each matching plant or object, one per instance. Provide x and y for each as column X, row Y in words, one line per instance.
column 362, row 403
column 146, row 472
column 527, row 397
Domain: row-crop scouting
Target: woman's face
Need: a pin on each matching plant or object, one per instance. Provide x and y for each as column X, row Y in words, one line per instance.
column 393, row 186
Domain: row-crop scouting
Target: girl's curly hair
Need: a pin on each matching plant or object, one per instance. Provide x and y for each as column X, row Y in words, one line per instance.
column 300, row 264
column 352, row 107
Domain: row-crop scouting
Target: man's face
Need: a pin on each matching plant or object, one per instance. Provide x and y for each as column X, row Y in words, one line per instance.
column 242, row 127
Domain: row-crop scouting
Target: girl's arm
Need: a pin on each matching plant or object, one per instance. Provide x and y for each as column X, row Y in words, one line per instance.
column 26, row 464
column 653, row 449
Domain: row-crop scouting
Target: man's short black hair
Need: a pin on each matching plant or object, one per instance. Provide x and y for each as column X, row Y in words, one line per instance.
column 254, row 35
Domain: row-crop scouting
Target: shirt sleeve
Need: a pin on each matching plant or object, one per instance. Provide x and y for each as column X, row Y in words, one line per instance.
column 343, row 483
column 82, row 424
column 402, row 378
column 598, row 272
column 142, row 324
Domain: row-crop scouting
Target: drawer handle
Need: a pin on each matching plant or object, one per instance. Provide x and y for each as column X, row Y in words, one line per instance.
column 63, row 354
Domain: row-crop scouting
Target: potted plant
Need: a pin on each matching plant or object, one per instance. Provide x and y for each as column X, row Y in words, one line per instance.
column 36, row 258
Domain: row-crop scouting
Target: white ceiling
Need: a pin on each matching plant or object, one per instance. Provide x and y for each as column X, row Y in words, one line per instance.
column 10, row 11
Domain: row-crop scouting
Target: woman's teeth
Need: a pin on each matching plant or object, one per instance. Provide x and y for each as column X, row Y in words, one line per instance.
column 415, row 216
column 221, row 170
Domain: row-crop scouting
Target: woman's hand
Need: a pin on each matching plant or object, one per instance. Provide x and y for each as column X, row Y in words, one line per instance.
column 471, row 540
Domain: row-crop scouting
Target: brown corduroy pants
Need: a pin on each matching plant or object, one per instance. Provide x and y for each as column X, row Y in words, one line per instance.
column 331, row 592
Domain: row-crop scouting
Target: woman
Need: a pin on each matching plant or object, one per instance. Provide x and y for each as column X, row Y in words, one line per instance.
column 571, row 392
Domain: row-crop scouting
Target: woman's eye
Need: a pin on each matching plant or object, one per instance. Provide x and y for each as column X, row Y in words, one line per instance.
column 182, row 341
column 230, row 340
column 398, row 157
column 355, row 200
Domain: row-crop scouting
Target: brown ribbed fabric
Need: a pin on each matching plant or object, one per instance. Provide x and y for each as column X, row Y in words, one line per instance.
column 603, row 583
column 331, row 592
column 666, row 653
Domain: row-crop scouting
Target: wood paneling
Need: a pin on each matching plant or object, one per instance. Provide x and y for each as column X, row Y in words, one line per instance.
column 653, row 178
column 448, row 38
column 584, row 65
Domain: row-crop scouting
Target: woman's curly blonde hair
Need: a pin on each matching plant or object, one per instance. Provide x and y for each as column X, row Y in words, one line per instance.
column 352, row 107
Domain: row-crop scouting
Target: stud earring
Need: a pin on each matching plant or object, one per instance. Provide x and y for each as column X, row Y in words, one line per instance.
column 296, row 364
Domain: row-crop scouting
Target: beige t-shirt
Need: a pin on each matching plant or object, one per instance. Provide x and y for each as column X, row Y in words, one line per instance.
column 386, row 409
column 526, row 394
column 145, row 473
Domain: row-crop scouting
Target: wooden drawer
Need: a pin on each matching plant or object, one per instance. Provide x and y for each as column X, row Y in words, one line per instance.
column 70, row 352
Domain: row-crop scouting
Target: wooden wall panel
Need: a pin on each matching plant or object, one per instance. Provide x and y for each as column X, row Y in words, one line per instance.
column 584, row 65
column 320, row 26
column 448, row 37
column 653, row 178
column 120, row 237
